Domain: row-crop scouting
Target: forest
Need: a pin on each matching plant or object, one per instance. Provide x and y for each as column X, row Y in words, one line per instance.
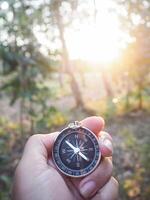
column 64, row 60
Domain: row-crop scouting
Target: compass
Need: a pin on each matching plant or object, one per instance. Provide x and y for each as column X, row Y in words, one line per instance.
column 76, row 151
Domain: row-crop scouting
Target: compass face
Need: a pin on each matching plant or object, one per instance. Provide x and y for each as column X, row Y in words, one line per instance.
column 76, row 151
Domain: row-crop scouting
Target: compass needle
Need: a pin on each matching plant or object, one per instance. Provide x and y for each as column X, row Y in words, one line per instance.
column 83, row 156
column 70, row 145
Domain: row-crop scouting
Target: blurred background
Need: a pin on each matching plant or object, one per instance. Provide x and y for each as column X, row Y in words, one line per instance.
column 63, row 60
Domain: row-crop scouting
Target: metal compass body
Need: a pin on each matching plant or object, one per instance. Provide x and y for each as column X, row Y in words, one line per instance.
column 76, row 151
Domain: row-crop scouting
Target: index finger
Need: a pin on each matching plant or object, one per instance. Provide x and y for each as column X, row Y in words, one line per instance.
column 94, row 123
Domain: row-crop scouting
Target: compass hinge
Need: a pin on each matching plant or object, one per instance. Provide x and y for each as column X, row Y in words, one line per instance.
column 74, row 124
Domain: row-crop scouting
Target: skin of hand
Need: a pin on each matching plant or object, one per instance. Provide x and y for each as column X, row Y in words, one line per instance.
column 37, row 178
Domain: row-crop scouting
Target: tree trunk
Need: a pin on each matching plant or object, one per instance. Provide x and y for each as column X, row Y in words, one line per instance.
column 67, row 64
column 107, row 86
column 31, row 117
column 95, row 11
column 127, row 101
column 22, row 103
column 82, row 78
column 127, row 93
column 60, row 79
column 140, row 105
column 104, row 75
column 21, row 116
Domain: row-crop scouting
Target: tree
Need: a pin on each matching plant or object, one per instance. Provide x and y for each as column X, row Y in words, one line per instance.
column 25, row 65
column 104, row 75
column 55, row 7
column 134, row 64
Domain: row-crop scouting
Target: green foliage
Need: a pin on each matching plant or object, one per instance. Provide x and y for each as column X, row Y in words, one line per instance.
column 145, row 156
column 136, row 145
column 9, row 133
column 50, row 118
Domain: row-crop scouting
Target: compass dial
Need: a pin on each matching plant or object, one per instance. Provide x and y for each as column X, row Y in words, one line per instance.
column 76, row 151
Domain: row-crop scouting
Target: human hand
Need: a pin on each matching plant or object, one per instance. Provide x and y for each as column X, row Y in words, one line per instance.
column 36, row 177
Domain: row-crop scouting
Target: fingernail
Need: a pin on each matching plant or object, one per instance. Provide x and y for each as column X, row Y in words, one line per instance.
column 88, row 189
column 108, row 144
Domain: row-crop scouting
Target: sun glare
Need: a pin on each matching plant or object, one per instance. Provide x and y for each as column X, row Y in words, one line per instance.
column 97, row 42
column 93, row 44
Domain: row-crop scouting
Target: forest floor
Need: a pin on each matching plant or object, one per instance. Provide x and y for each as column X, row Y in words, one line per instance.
column 131, row 156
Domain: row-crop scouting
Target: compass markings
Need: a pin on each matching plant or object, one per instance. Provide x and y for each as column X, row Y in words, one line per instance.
column 68, row 160
column 78, row 164
column 63, row 150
